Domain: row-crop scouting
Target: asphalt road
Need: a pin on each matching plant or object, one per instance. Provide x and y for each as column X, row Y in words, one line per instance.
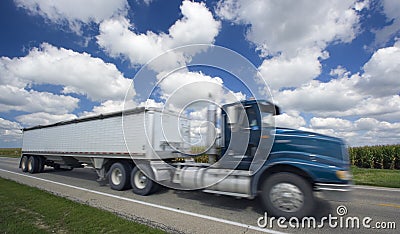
column 197, row 212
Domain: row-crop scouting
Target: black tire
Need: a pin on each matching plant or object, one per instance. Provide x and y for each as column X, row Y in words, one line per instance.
column 41, row 164
column 287, row 195
column 141, row 183
column 24, row 163
column 56, row 166
column 119, row 176
column 33, row 164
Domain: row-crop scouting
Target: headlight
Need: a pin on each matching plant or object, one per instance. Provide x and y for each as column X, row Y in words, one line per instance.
column 343, row 175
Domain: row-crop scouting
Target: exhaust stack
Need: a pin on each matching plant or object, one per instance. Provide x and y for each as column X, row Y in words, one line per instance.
column 211, row 133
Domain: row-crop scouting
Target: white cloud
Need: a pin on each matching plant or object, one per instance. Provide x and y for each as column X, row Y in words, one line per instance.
column 13, row 98
column 9, row 131
column 381, row 73
column 280, row 71
column 117, row 39
column 361, row 5
column 291, row 119
column 74, row 12
column 77, row 72
column 361, row 108
column 379, row 108
column 366, row 123
column 289, row 26
column 360, row 132
column 321, row 98
column 292, row 39
column 339, row 97
column 332, row 123
column 43, row 118
column 182, row 88
column 391, row 8
column 340, row 72
column 374, row 93
column 109, row 106
column 197, row 25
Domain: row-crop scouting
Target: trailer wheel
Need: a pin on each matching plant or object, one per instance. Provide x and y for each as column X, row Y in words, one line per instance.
column 141, row 184
column 118, row 176
column 41, row 164
column 24, row 163
column 287, row 195
column 33, row 164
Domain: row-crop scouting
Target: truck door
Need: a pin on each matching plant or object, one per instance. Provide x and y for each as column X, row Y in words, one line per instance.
column 241, row 138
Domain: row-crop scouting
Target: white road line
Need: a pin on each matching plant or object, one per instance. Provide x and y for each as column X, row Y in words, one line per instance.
column 154, row 205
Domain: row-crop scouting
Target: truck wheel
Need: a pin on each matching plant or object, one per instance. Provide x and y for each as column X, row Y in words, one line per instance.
column 141, row 184
column 24, row 163
column 118, row 176
column 287, row 195
column 33, row 164
column 41, row 164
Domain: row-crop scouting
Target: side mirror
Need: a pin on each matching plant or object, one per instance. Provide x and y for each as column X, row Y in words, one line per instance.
column 270, row 108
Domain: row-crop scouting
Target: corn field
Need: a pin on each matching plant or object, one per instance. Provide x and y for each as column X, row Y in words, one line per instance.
column 379, row 157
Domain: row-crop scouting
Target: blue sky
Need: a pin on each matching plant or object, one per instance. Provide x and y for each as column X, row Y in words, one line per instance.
column 332, row 66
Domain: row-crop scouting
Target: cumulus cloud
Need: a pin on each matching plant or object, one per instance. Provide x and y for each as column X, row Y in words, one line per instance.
column 274, row 26
column 381, row 73
column 78, row 73
column 64, row 69
column 363, row 108
column 9, row 131
column 339, row 97
column 180, row 88
column 110, row 106
column 358, row 132
column 283, row 72
column 197, row 26
column 74, row 13
column 290, row 119
column 14, row 98
column 331, row 123
column 319, row 97
column 391, row 8
column 43, row 118
column 293, row 48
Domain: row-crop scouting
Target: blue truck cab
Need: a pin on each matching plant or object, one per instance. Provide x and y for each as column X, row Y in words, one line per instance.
column 289, row 167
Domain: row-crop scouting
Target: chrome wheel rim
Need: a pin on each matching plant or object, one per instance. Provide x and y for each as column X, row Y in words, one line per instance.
column 30, row 166
column 140, row 180
column 116, row 176
column 286, row 197
column 23, row 163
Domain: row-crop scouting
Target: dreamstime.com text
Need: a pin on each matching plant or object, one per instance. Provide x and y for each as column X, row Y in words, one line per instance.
column 340, row 220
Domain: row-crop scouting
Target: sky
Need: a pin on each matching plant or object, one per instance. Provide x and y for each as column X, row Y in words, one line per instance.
column 333, row 66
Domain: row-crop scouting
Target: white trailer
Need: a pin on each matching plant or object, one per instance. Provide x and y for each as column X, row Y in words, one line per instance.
column 108, row 142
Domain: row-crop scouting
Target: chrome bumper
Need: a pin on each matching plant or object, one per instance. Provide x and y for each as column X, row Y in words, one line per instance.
column 334, row 192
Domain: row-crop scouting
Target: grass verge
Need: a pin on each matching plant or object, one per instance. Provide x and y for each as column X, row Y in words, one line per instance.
column 376, row 177
column 29, row 210
column 10, row 152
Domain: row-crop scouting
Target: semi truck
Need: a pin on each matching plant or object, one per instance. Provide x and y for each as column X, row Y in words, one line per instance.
column 145, row 148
